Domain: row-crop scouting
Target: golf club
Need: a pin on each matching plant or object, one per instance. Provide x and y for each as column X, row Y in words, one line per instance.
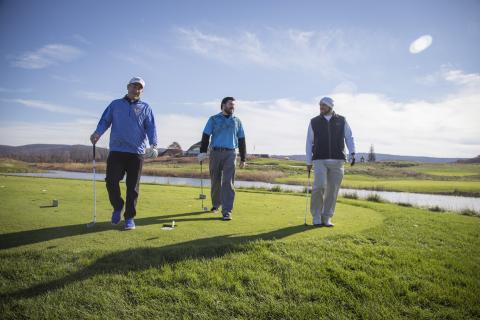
column 202, row 195
column 306, row 202
column 91, row 224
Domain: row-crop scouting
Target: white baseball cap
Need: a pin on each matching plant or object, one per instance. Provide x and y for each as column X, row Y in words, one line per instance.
column 327, row 101
column 137, row 80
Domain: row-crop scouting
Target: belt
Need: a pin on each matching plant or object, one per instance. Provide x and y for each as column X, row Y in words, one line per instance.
column 222, row 149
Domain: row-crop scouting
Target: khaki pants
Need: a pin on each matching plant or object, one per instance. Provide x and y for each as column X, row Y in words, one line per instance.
column 328, row 177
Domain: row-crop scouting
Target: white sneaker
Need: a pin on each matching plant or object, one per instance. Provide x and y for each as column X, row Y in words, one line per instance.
column 327, row 222
column 317, row 222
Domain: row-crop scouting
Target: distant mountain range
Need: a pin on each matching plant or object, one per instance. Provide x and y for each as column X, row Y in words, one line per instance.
column 52, row 153
column 82, row 153
column 472, row 160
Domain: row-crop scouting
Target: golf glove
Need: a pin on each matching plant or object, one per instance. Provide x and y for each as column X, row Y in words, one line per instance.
column 152, row 153
column 202, row 156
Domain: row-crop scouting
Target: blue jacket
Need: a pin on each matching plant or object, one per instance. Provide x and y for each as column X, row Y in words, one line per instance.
column 132, row 122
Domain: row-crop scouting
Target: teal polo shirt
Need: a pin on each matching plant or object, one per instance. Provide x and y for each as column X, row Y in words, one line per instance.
column 225, row 131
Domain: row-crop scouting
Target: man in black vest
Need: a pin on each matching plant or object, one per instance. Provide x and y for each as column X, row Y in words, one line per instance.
column 325, row 149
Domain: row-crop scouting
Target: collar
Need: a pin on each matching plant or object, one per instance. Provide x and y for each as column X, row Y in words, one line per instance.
column 126, row 98
column 224, row 116
column 333, row 116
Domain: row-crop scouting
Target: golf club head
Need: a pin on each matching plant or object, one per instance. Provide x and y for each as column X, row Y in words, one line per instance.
column 205, row 209
column 91, row 224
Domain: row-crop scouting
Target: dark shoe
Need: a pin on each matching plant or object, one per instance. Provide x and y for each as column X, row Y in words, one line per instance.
column 214, row 210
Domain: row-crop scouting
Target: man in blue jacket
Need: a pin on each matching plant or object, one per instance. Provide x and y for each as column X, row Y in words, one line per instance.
column 132, row 122
column 227, row 135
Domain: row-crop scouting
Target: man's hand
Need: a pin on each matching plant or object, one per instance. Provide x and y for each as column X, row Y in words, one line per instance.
column 243, row 164
column 202, row 156
column 352, row 159
column 94, row 138
column 152, row 153
column 309, row 168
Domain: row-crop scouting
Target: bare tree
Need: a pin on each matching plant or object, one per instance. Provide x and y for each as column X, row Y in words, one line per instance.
column 371, row 155
column 175, row 145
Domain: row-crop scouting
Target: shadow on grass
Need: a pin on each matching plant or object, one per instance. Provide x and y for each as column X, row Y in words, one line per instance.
column 16, row 239
column 138, row 259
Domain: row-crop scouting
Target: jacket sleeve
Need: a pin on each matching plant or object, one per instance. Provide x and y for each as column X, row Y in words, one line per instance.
column 242, row 147
column 151, row 128
column 105, row 121
column 349, row 141
column 309, row 145
column 205, row 143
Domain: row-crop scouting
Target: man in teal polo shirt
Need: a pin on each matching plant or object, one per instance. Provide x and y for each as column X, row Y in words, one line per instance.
column 227, row 135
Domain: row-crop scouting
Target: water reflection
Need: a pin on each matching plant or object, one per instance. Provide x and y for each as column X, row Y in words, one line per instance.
column 451, row 203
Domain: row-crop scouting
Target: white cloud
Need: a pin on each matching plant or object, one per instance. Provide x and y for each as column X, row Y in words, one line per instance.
column 277, row 48
column 447, row 74
column 131, row 59
column 420, row 44
column 48, row 106
column 445, row 128
column 438, row 128
column 15, row 90
column 46, row 56
column 82, row 39
column 95, row 96
column 183, row 128
column 71, row 132
column 346, row 87
column 141, row 55
column 461, row 78
column 65, row 78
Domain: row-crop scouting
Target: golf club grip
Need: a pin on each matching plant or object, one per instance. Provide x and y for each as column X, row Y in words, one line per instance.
column 93, row 152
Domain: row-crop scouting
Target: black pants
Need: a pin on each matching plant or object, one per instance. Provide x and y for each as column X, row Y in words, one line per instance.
column 119, row 163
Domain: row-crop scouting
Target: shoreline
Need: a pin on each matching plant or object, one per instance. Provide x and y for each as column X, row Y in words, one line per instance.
column 293, row 183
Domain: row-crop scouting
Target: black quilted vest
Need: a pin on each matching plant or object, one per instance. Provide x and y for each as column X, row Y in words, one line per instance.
column 328, row 137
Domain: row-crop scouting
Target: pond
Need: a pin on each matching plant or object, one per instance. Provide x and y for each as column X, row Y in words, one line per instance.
column 446, row 202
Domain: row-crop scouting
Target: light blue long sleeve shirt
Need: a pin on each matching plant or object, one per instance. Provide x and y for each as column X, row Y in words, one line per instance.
column 131, row 124
column 225, row 131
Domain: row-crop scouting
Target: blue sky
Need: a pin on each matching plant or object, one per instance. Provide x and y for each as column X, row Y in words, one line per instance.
column 63, row 61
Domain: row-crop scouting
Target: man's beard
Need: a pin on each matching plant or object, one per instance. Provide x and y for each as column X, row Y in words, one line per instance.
column 228, row 111
column 133, row 96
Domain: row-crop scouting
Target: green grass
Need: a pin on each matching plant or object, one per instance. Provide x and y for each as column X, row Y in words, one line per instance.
column 381, row 261
column 453, row 187
column 449, row 169
column 15, row 166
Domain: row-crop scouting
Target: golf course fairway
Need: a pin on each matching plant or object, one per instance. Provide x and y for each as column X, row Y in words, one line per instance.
column 380, row 261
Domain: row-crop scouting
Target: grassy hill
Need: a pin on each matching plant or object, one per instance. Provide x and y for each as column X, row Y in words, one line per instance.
column 381, row 261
